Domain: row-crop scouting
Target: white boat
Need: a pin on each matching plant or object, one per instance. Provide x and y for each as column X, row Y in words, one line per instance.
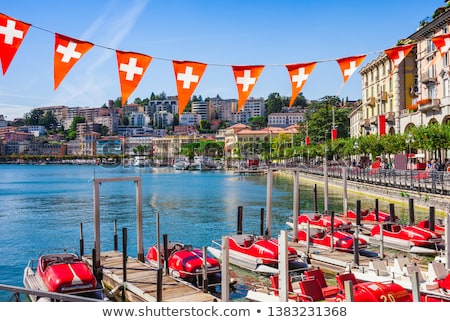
column 181, row 163
column 140, row 162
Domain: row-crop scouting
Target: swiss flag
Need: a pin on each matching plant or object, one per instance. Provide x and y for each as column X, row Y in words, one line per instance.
column 348, row 65
column 246, row 78
column 299, row 74
column 132, row 67
column 68, row 51
column 12, row 32
column 397, row 54
column 187, row 75
column 442, row 43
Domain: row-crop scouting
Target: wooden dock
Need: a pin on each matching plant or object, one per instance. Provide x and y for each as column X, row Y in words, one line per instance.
column 141, row 281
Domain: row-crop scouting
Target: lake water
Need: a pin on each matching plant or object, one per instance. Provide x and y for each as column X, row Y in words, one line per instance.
column 42, row 207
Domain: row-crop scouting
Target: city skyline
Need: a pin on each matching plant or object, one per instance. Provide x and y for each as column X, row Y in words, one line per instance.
column 219, row 34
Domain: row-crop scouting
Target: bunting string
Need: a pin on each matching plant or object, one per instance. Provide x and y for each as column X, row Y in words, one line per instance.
column 132, row 65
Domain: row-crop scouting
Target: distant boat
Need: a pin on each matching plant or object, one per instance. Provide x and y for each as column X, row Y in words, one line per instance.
column 181, row 163
column 140, row 161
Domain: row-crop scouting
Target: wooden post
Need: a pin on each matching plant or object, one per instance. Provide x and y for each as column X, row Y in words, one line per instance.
column 97, row 222
column 381, row 242
column 411, row 211
column 345, row 201
column 432, row 219
column 308, row 235
column 239, row 221
column 166, row 253
column 124, row 262
column 158, row 240
column 261, row 222
column 325, row 186
column 415, row 286
column 116, row 237
column 358, row 213
column 205, row 270
column 283, row 266
column 139, row 225
column 348, row 289
column 159, row 279
column 356, row 247
column 295, row 207
column 225, row 274
column 377, row 210
column 315, row 198
column 392, row 212
column 332, row 231
column 81, row 241
column 269, row 203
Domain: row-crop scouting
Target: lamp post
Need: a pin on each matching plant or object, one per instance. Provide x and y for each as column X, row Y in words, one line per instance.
column 409, row 140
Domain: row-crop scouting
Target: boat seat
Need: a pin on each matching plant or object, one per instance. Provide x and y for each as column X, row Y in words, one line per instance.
column 411, row 268
column 310, row 287
column 436, row 271
column 317, row 273
column 345, row 276
column 396, row 228
column 379, row 267
column 399, row 264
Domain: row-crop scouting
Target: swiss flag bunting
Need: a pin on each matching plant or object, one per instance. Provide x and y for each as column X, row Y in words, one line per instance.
column 397, row 54
column 299, row 73
column 442, row 43
column 132, row 67
column 12, row 33
column 68, row 51
column 349, row 65
column 187, row 75
column 246, row 78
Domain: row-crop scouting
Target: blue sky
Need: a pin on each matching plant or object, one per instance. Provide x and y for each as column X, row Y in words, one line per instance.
column 219, row 33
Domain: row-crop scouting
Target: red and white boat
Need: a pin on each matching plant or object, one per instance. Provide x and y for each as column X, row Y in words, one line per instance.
column 406, row 237
column 257, row 254
column 186, row 262
column 312, row 289
column 438, row 226
column 62, row 273
column 316, row 220
column 342, row 240
column 370, row 216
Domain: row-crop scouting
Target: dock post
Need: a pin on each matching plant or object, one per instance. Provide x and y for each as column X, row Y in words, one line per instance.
column 139, row 225
column 358, row 213
column 447, row 239
column 295, row 207
column 392, row 212
column 261, row 222
column 308, row 235
column 432, row 219
column 381, row 242
column 283, row 266
column 345, row 201
column 239, row 221
column 158, row 240
column 348, row 289
column 97, row 222
column 315, row 198
column 81, row 241
column 159, row 279
column 377, row 210
column 225, row 282
column 205, row 270
column 332, row 231
column 166, row 253
column 269, row 202
column 124, row 262
column 356, row 247
column 116, row 238
column 415, row 287
column 411, row 211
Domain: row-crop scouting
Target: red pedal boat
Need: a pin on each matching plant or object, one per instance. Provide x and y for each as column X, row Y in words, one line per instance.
column 186, row 262
column 322, row 221
column 342, row 240
column 370, row 216
column 438, row 227
column 257, row 254
column 61, row 273
column 407, row 235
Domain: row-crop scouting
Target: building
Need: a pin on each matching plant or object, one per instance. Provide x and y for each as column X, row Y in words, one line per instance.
column 284, row 119
column 253, row 107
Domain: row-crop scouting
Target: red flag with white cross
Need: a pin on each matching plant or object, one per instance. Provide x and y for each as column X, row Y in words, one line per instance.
column 132, row 67
column 68, row 51
column 442, row 43
column 12, row 33
column 187, row 75
column 349, row 65
column 397, row 54
column 299, row 74
column 246, row 78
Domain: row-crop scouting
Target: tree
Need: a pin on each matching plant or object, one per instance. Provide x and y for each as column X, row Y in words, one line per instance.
column 274, row 104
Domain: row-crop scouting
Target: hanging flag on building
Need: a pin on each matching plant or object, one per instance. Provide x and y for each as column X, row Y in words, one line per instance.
column 187, row 76
column 246, row 78
column 12, row 33
column 397, row 54
column 68, row 51
column 299, row 73
column 349, row 65
column 442, row 43
column 132, row 67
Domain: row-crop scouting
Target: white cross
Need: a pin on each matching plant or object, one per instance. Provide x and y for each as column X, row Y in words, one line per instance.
column 246, row 80
column 187, row 77
column 446, row 46
column 348, row 72
column 401, row 56
column 11, row 32
column 131, row 69
column 300, row 77
column 68, row 52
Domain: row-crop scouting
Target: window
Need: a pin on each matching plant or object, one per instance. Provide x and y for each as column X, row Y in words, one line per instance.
column 445, row 89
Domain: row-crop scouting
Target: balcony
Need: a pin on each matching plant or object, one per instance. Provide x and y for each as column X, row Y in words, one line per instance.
column 427, row 78
column 370, row 101
column 384, row 96
column 427, row 104
column 365, row 122
column 390, row 117
column 374, row 120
